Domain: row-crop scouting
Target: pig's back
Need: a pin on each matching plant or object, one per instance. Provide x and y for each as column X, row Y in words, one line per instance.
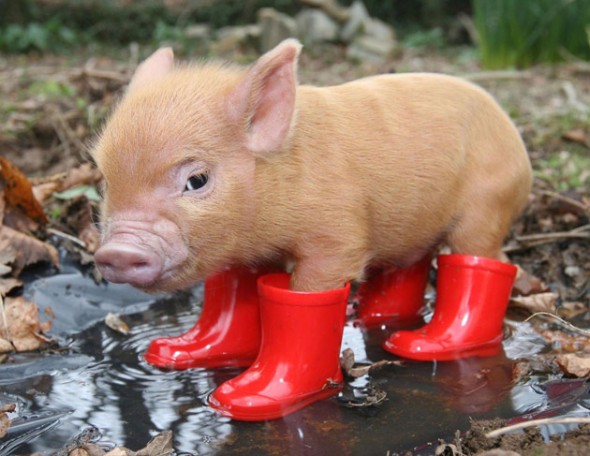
column 414, row 148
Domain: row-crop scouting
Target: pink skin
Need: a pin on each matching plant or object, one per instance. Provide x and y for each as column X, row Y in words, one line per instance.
column 145, row 247
column 140, row 252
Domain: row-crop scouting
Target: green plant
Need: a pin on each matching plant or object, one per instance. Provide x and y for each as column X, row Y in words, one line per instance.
column 520, row 33
column 565, row 170
column 34, row 36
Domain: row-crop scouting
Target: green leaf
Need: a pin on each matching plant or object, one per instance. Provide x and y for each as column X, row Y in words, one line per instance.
column 87, row 190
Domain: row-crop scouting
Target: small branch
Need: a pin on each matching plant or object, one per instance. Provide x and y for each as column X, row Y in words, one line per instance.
column 561, row 321
column 67, row 236
column 581, row 232
column 566, row 199
column 539, row 422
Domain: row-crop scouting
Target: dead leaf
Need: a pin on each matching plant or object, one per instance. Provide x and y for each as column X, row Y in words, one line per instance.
column 526, row 284
column 29, row 250
column 120, row 451
column 564, row 342
column 6, row 346
column 114, row 322
column 540, row 302
column 573, row 364
column 9, row 284
column 21, row 325
column 577, row 135
column 84, row 175
column 160, row 445
column 571, row 309
column 18, row 192
column 4, row 420
column 347, row 363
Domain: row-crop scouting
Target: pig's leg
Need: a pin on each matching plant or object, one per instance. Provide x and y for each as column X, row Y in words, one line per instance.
column 228, row 330
column 393, row 296
column 328, row 265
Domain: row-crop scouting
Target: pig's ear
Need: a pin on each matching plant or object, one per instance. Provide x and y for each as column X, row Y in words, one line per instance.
column 264, row 101
column 154, row 67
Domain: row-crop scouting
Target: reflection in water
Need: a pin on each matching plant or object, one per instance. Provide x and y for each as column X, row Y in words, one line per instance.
column 106, row 383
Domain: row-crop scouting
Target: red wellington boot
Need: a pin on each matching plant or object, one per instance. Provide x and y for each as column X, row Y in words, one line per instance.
column 472, row 296
column 227, row 332
column 393, row 296
column 298, row 361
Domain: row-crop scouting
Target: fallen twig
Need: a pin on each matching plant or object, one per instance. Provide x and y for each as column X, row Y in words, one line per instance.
column 532, row 240
column 573, row 202
column 67, row 236
column 539, row 422
column 561, row 321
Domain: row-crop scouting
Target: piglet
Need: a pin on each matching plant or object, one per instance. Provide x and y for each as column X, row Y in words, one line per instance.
column 212, row 171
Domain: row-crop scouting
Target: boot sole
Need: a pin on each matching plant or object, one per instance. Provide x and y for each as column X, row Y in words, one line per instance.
column 170, row 364
column 481, row 350
column 294, row 404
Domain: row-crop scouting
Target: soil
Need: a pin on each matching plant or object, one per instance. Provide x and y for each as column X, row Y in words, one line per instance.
column 529, row 442
column 52, row 107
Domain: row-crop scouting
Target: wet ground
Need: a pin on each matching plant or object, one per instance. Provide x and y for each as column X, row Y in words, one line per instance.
column 101, row 380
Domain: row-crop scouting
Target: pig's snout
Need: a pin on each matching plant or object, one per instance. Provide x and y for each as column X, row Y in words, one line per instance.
column 127, row 263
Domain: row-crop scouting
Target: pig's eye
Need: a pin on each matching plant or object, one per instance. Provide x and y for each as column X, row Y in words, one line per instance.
column 196, row 182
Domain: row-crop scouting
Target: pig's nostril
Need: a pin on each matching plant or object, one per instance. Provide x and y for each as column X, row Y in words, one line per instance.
column 120, row 262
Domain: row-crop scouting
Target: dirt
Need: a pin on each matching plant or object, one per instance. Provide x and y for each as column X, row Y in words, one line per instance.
column 52, row 107
column 529, row 442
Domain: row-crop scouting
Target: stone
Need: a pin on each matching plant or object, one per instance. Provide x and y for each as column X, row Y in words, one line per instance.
column 231, row 38
column 371, row 50
column 198, row 32
column 379, row 30
column 359, row 17
column 315, row 26
column 274, row 28
column 331, row 7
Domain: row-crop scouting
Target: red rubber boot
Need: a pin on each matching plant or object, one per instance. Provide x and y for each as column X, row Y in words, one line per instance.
column 227, row 332
column 298, row 361
column 472, row 296
column 394, row 296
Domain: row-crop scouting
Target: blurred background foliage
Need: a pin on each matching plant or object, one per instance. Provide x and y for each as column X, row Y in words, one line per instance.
column 508, row 33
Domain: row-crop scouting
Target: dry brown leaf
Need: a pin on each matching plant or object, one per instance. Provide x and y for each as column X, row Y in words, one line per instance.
column 18, row 192
column 85, row 174
column 573, row 364
column 4, row 420
column 79, row 218
column 347, row 363
column 114, row 322
column 6, row 346
column 22, row 324
column 160, row 445
column 526, row 284
column 120, row 451
column 9, row 284
column 29, row 250
column 540, row 302
column 571, row 309
column 565, row 342
column 577, row 135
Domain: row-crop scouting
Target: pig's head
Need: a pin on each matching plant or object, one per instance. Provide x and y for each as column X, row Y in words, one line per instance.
column 179, row 157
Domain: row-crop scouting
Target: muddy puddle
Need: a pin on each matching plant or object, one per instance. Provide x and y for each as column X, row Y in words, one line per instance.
column 102, row 387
